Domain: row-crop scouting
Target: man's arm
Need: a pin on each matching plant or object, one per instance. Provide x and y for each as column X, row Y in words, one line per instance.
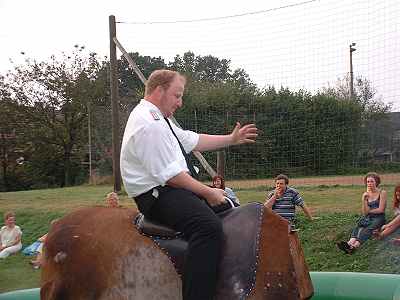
column 307, row 211
column 271, row 201
column 212, row 195
column 239, row 135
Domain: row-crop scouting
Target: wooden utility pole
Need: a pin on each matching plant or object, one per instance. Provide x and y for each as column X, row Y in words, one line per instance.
column 114, row 106
column 352, row 49
column 221, row 163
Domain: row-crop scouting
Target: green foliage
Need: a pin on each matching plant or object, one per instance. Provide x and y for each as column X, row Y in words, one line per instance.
column 53, row 98
column 300, row 133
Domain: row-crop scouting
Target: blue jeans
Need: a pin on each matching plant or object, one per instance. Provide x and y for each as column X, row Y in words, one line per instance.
column 363, row 233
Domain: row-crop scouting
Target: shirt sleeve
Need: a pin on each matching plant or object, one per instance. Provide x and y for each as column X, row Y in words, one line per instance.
column 297, row 200
column 188, row 139
column 157, row 153
column 18, row 230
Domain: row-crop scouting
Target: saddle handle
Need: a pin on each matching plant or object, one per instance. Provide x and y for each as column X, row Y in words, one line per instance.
column 230, row 202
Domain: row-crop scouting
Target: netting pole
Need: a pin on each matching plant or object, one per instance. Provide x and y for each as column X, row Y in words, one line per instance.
column 114, row 106
column 221, row 163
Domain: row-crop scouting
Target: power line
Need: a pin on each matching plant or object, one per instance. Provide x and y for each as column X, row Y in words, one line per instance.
column 219, row 18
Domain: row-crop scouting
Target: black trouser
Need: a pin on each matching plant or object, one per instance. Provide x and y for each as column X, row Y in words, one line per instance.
column 185, row 212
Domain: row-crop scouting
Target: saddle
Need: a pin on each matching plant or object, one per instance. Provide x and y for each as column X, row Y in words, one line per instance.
column 241, row 227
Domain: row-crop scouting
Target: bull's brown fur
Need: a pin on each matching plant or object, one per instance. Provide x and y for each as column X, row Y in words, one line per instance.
column 96, row 253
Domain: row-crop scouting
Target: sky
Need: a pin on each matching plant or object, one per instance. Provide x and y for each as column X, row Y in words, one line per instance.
column 298, row 44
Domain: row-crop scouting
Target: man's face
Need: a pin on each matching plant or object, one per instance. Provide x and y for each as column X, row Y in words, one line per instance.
column 171, row 98
column 280, row 184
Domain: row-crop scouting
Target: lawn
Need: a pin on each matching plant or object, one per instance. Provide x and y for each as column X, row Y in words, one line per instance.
column 336, row 207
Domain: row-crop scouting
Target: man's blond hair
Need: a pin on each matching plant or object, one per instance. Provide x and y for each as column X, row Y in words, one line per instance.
column 161, row 78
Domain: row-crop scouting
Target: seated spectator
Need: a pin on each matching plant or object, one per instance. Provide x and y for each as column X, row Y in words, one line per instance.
column 393, row 225
column 373, row 210
column 37, row 262
column 219, row 183
column 10, row 236
column 284, row 199
column 112, row 200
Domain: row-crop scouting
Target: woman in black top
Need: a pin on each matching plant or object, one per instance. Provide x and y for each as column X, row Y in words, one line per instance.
column 373, row 209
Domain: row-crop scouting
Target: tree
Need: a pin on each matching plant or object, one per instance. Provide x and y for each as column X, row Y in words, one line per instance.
column 8, row 136
column 54, row 95
column 374, row 133
column 365, row 95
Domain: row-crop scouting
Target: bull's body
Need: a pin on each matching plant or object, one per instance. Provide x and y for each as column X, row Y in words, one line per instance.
column 97, row 253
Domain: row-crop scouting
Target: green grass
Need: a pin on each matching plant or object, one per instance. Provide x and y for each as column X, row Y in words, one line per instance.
column 337, row 208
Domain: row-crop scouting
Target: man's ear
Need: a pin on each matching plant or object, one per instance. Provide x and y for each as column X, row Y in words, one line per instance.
column 159, row 90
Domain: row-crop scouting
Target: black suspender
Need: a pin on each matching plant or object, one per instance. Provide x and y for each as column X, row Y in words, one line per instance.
column 185, row 155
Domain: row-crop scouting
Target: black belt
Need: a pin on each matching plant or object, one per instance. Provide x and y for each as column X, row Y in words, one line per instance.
column 146, row 200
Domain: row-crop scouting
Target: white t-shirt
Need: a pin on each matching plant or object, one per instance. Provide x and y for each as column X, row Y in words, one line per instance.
column 8, row 235
column 150, row 153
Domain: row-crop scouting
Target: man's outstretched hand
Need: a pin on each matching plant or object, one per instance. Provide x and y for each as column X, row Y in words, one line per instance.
column 245, row 134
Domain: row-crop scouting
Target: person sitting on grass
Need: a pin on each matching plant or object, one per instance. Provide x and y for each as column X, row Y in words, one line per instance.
column 219, row 183
column 393, row 225
column 112, row 200
column 37, row 262
column 10, row 236
column 373, row 210
column 284, row 199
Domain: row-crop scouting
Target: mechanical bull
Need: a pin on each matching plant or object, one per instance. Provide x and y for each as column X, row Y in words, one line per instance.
column 98, row 253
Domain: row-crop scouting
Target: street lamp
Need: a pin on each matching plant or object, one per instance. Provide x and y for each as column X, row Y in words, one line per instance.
column 352, row 49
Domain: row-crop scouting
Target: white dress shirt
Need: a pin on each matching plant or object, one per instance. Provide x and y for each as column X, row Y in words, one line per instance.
column 150, row 154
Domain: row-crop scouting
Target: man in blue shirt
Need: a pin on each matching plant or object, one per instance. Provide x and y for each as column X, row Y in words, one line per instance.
column 284, row 199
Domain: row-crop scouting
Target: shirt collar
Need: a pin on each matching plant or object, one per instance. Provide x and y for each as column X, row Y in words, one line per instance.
column 150, row 105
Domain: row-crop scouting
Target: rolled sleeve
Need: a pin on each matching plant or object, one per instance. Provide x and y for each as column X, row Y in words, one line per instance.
column 298, row 200
column 172, row 170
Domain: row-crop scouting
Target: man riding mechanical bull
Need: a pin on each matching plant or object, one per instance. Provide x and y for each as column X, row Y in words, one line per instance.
column 240, row 253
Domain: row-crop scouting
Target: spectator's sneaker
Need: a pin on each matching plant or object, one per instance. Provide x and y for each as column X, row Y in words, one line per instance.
column 345, row 247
